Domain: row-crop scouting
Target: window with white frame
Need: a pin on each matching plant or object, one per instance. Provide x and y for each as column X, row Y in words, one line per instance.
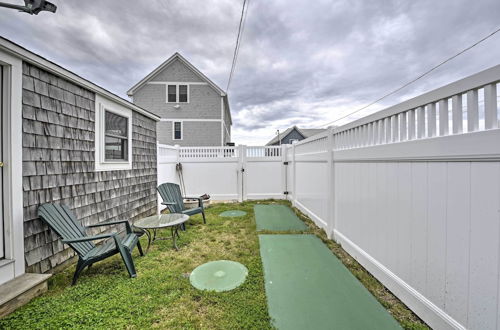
column 177, row 93
column 113, row 136
column 177, row 130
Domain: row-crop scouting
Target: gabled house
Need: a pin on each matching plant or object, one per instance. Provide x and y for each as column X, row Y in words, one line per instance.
column 194, row 111
column 293, row 134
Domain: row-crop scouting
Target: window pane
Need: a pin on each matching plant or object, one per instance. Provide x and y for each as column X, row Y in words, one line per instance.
column 172, row 93
column 115, row 148
column 116, row 125
column 183, row 93
column 177, row 131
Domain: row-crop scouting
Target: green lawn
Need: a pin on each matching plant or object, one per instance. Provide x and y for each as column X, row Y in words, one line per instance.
column 162, row 297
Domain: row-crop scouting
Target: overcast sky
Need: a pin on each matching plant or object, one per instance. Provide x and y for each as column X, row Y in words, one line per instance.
column 301, row 63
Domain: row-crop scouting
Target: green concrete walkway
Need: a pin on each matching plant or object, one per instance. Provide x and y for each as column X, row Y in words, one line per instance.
column 277, row 218
column 307, row 287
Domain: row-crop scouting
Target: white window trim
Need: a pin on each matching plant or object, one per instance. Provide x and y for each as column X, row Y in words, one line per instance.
column 101, row 164
column 173, row 130
column 177, row 93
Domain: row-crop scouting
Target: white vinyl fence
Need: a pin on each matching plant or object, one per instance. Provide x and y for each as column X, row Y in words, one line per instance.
column 411, row 192
column 225, row 173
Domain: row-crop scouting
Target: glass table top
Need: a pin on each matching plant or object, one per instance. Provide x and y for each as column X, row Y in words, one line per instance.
column 162, row 220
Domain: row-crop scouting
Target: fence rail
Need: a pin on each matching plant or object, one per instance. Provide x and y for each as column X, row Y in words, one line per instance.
column 468, row 105
column 207, row 152
column 411, row 192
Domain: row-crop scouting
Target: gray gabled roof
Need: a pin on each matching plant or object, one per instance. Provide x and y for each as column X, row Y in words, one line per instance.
column 181, row 58
column 169, row 61
column 305, row 132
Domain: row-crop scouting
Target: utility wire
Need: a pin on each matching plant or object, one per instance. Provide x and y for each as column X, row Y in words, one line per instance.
column 244, row 10
column 414, row 80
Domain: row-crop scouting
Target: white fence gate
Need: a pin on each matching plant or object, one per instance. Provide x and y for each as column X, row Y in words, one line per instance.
column 411, row 192
column 225, row 173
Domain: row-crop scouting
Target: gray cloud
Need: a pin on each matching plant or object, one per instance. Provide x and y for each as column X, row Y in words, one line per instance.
column 300, row 62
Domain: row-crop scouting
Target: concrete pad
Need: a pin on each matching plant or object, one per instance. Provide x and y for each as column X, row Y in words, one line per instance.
column 277, row 218
column 307, row 287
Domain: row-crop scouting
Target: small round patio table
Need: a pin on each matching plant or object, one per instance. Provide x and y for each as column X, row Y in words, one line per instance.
column 155, row 222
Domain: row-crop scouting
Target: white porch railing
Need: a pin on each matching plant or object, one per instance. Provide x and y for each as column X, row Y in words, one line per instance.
column 412, row 192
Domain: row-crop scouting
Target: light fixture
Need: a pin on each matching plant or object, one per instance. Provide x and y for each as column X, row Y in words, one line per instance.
column 32, row 7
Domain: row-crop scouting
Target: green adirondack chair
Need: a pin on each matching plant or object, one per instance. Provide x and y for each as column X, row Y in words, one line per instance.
column 62, row 221
column 174, row 201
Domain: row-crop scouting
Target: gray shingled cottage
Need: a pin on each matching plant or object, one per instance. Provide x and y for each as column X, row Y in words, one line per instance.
column 67, row 140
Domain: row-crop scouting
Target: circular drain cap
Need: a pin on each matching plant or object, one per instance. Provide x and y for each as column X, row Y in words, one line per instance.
column 233, row 213
column 221, row 275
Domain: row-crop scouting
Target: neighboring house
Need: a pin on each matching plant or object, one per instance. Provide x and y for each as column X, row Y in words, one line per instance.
column 194, row 111
column 65, row 140
column 294, row 134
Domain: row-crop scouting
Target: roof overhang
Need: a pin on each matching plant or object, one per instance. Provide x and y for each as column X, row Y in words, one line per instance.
column 170, row 60
column 30, row 57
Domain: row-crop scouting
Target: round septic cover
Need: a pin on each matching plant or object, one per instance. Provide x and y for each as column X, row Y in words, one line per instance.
column 233, row 213
column 221, row 275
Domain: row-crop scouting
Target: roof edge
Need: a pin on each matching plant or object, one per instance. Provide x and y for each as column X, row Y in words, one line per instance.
column 38, row 60
column 159, row 68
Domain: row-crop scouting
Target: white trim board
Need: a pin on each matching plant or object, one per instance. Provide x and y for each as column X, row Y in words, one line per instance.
column 467, row 146
column 30, row 57
column 189, row 119
column 13, row 175
column 176, row 83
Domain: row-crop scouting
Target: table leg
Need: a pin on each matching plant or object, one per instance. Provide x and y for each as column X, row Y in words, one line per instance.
column 148, row 234
column 175, row 233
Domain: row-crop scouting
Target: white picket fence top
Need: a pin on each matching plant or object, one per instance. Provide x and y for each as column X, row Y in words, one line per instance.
column 465, row 106
column 267, row 152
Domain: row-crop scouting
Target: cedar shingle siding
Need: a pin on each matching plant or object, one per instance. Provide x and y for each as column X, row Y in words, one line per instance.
column 58, row 165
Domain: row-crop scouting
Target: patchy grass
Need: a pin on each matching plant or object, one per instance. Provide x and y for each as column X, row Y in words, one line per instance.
column 162, row 297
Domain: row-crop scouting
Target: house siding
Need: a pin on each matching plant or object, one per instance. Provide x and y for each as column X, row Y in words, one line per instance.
column 227, row 128
column 58, row 165
column 195, row 133
column 204, row 103
column 176, row 71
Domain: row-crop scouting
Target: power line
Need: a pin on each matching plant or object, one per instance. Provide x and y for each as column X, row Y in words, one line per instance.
column 244, row 11
column 414, row 80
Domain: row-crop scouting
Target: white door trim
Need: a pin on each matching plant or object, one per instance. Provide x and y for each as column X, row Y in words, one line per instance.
column 2, row 233
column 13, row 168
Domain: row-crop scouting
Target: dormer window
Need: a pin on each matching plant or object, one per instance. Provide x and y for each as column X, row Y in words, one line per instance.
column 178, row 93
